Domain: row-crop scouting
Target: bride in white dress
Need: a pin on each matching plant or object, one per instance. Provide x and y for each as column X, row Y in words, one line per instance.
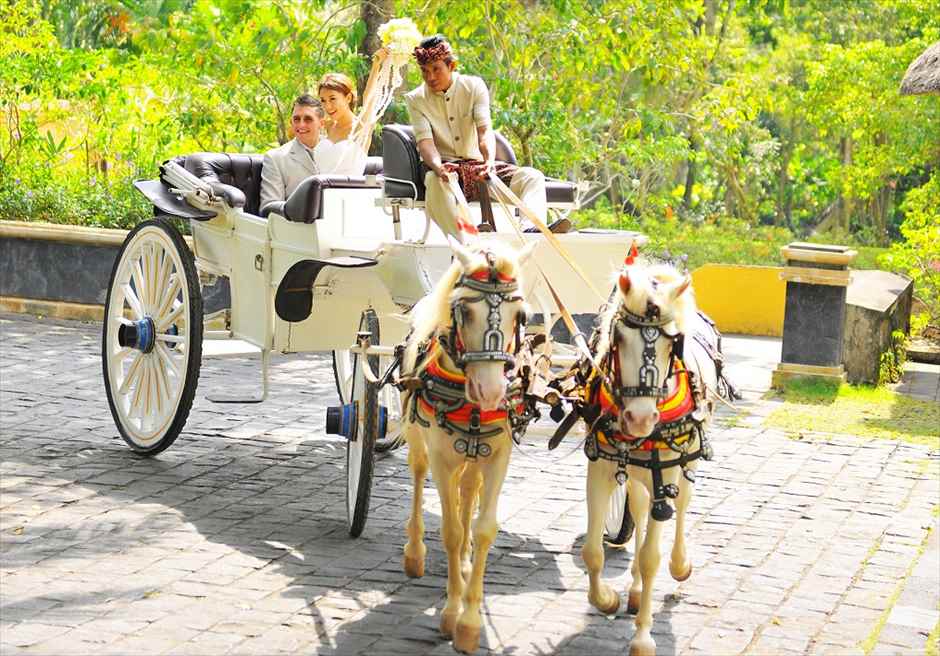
column 344, row 149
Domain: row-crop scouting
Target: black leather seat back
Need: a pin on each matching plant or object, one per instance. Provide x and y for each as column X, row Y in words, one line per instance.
column 236, row 170
column 400, row 161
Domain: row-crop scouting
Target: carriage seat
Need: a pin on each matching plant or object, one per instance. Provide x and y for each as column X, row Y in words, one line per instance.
column 237, row 178
column 402, row 162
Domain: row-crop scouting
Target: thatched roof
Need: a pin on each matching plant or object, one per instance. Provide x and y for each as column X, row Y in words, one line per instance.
column 923, row 75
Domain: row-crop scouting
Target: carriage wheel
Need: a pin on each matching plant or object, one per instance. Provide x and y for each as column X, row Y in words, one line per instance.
column 360, row 449
column 389, row 396
column 151, row 340
column 618, row 525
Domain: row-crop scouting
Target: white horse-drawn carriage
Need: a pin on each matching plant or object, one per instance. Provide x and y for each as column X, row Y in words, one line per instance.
column 340, row 256
column 341, row 266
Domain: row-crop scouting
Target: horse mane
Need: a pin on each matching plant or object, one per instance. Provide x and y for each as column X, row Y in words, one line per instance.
column 433, row 311
column 642, row 276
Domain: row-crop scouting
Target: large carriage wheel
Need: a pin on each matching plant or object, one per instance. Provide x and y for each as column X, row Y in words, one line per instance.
column 389, row 396
column 151, row 341
column 360, row 447
column 618, row 525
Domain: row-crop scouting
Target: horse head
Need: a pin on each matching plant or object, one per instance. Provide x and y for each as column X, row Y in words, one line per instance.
column 487, row 318
column 645, row 329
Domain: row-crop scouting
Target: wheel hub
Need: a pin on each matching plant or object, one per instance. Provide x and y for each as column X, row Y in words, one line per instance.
column 140, row 335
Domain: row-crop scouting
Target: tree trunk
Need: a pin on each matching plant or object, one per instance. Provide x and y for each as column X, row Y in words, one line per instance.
column 844, row 211
column 784, row 197
column 690, row 174
column 373, row 14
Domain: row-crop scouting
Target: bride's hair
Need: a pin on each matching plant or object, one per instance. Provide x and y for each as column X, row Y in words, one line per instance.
column 340, row 83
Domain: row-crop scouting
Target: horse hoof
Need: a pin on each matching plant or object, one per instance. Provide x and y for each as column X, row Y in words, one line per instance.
column 633, row 602
column 643, row 647
column 608, row 601
column 414, row 567
column 466, row 638
column 448, row 622
column 681, row 575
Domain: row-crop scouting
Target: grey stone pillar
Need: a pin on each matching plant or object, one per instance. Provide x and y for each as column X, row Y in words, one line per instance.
column 814, row 316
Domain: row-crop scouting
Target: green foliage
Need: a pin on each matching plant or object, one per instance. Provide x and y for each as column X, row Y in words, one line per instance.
column 722, row 129
column 891, row 363
column 918, row 255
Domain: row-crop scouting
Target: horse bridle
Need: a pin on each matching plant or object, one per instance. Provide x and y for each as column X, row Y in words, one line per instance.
column 494, row 292
column 651, row 325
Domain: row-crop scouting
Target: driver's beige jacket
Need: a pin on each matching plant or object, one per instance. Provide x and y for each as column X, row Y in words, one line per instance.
column 283, row 169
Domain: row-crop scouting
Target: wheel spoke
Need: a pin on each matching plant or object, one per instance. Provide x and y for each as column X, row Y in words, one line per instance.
column 162, row 279
column 164, row 381
column 150, row 272
column 133, row 301
column 119, row 355
column 168, row 320
column 154, row 401
column 167, row 358
column 169, row 295
column 138, row 277
column 176, row 339
column 132, row 372
column 142, row 380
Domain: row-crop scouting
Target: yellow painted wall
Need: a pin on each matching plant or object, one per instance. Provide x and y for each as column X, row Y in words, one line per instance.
column 748, row 300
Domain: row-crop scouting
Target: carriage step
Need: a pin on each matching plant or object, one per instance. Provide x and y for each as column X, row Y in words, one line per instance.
column 228, row 348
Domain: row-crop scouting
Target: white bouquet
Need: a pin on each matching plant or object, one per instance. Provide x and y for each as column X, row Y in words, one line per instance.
column 401, row 37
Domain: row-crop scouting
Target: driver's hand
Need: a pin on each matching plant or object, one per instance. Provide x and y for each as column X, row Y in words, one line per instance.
column 443, row 172
column 483, row 170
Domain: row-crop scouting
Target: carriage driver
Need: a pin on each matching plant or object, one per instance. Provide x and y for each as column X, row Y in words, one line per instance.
column 450, row 114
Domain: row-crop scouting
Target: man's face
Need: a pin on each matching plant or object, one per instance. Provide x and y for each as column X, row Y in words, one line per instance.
column 437, row 74
column 306, row 123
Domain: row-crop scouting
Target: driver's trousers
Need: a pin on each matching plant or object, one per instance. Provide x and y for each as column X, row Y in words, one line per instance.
column 441, row 206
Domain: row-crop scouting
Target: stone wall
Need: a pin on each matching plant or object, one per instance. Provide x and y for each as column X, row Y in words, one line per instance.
column 877, row 304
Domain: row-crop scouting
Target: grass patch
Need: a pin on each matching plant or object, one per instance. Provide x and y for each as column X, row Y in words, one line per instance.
column 933, row 642
column 822, row 406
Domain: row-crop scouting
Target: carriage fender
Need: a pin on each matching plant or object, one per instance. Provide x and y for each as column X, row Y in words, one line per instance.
column 294, row 299
column 169, row 203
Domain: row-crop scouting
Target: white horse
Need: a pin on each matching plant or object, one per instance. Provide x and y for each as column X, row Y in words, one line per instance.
column 647, row 416
column 456, row 417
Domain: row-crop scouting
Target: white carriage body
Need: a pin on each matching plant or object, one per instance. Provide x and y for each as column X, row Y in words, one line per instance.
column 255, row 253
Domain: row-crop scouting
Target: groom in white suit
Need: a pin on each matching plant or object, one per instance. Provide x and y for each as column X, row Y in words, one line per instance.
column 286, row 166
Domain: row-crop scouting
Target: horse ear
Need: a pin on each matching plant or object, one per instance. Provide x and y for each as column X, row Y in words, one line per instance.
column 463, row 254
column 624, row 283
column 680, row 287
column 526, row 251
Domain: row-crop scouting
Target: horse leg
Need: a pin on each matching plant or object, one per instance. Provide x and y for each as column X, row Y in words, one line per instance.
column 639, row 500
column 679, row 564
column 467, row 636
column 451, row 532
column 600, row 485
column 648, row 558
column 415, row 550
column 470, row 484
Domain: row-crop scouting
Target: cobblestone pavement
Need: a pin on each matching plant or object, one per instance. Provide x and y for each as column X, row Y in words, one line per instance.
column 234, row 540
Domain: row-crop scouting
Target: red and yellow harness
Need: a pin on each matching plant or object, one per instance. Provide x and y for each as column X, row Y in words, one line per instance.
column 673, row 410
column 435, row 371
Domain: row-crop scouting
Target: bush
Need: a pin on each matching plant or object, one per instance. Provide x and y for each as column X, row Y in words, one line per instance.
column 117, row 205
column 918, row 256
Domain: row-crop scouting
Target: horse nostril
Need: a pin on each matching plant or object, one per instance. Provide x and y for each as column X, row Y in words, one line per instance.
column 655, row 416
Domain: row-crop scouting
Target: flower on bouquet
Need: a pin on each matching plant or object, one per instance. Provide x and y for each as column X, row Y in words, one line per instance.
column 401, row 36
